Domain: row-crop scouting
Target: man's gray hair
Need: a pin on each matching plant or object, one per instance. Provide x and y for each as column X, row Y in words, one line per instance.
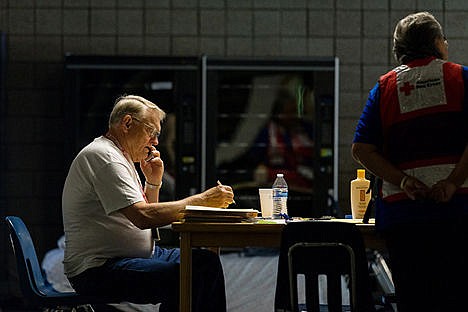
column 414, row 37
column 133, row 105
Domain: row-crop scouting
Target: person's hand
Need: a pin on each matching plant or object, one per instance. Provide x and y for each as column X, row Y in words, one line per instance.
column 442, row 191
column 218, row 196
column 414, row 188
column 153, row 167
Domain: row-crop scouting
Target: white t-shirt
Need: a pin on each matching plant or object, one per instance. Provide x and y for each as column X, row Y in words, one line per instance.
column 101, row 182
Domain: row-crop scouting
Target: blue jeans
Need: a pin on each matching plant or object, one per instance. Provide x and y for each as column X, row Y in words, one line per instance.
column 156, row 280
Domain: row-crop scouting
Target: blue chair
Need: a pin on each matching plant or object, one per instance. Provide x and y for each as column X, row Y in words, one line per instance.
column 37, row 291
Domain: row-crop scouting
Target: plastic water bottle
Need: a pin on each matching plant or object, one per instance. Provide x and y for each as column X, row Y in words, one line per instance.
column 280, row 196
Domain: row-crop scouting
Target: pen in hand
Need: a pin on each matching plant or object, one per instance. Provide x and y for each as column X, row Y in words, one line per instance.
column 219, row 183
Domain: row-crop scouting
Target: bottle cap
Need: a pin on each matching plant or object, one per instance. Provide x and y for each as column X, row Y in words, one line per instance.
column 279, row 175
column 361, row 174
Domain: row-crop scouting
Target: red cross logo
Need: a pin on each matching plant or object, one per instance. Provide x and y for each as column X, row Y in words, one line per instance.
column 407, row 88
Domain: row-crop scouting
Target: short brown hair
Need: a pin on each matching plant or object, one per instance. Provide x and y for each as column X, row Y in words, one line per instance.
column 414, row 37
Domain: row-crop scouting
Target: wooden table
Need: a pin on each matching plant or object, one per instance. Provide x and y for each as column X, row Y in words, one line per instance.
column 197, row 234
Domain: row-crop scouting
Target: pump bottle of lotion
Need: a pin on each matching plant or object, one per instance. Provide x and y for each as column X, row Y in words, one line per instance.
column 359, row 196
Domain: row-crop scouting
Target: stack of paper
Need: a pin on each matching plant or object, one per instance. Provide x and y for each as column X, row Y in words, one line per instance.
column 211, row 214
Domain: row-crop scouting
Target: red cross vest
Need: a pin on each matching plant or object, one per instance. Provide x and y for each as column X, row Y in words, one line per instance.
column 424, row 121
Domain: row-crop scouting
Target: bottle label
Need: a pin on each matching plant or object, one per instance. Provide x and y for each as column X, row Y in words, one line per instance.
column 359, row 200
column 362, row 195
column 280, row 197
column 280, row 193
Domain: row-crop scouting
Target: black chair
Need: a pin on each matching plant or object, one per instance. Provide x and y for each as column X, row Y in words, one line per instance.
column 333, row 249
column 36, row 290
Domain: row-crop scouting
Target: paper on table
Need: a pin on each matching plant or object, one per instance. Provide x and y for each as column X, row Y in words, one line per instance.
column 208, row 214
column 356, row 221
column 220, row 210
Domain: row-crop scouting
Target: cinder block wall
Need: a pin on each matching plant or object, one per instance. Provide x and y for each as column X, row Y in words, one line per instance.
column 41, row 31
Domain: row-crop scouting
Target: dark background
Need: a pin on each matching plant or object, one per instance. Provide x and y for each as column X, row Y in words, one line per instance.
column 39, row 33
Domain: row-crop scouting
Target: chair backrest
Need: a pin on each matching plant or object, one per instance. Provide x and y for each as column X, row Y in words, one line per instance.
column 314, row 248
column 30, row 275
column 313, row 260
column 36, row 290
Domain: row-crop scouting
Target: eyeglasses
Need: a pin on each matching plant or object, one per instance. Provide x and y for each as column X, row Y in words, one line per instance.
column 153, row 133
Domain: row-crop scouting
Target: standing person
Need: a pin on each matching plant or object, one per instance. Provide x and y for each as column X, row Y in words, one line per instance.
column 412, row 134
column 108, row 216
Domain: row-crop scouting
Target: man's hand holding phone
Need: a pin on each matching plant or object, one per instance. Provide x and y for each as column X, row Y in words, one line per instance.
column 152, row 166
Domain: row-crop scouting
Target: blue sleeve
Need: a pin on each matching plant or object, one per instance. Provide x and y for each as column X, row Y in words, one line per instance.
column 465, row 96
column 465, row 82
column 369, row 128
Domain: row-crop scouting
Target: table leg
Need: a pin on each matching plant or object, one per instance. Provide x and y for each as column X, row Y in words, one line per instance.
column 185, row 298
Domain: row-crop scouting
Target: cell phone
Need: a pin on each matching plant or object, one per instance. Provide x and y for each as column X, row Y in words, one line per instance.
column 150, row 155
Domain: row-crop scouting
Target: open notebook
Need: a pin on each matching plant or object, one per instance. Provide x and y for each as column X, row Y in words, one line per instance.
column 211, row 214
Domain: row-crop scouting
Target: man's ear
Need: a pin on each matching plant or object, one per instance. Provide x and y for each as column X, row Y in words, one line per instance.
column 126, row 122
